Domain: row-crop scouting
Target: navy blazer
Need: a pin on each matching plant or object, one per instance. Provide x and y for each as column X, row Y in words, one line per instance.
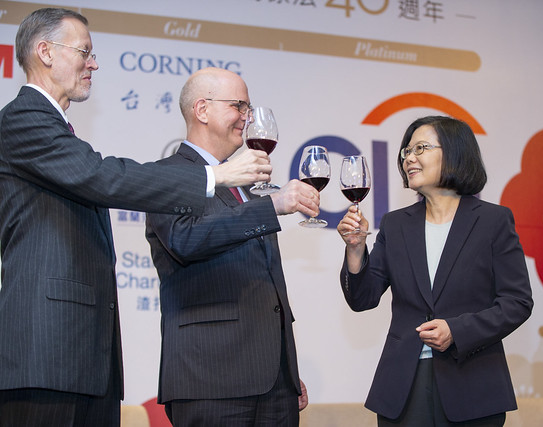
column 58, row 302
column 222, row 290
column 481, row 288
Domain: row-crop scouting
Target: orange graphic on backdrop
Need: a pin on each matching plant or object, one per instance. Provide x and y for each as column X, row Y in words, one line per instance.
column 523, row 194
column 421, row 99
column 157, row 415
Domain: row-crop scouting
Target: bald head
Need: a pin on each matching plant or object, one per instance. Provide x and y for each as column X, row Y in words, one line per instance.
column 205, row 83
column 213, row 102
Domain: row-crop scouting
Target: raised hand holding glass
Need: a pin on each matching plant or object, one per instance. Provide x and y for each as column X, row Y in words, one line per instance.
column 355, row 183
column 261, row 134
column 314, row 170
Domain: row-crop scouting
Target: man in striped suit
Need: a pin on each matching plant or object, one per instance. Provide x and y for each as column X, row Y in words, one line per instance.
column 228, row 352
column 60, row 348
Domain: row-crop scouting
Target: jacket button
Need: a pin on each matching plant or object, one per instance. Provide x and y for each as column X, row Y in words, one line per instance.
column 111, row 305
column 277, row 309
column 429, row 317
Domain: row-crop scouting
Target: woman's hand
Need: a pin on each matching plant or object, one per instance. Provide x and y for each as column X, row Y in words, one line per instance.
column 303, row 400
column 436, row 334
column 356, row 242
column 353, row 220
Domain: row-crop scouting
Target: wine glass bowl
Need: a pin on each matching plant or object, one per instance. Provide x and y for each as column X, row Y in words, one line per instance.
column 314, row 170
column 355, row 183
column 261, row 134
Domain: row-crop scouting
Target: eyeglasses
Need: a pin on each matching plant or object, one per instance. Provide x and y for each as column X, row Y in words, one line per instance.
column 86, row 54
column 417, row 150
column 242, row 106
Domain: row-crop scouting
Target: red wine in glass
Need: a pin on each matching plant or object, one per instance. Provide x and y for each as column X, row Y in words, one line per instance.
column 357, row 194
column 355, row 183
column 318, row 183
column 267, row 145
column 314, row 170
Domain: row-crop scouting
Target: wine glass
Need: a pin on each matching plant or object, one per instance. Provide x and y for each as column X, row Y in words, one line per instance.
column 261, row 134
column 355, row 183
column 314, row 170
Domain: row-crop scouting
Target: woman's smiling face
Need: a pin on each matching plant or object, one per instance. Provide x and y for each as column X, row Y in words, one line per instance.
column 424, row 171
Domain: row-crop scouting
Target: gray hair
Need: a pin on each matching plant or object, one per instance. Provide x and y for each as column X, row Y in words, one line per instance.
column 42, row 24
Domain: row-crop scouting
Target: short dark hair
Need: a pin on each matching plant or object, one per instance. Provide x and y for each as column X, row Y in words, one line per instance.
column 462, row 167
column 40, row 24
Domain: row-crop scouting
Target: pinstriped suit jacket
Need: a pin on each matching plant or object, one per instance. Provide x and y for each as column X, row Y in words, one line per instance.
column 58, row 302
column 221, row 287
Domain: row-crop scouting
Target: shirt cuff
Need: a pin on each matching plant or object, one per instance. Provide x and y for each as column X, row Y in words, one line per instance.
column 210, row 188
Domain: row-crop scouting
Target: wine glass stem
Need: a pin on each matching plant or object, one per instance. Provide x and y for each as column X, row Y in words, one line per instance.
column 357, row 204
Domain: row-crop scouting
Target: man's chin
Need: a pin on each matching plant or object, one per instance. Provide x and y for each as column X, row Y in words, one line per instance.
column 80, row 97
column 82, row 93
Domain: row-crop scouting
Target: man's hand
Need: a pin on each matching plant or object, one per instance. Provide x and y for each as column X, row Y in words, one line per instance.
column 296, row 196
column 249, row 167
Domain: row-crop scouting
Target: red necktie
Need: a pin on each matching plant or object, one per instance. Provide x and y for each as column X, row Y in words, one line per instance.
column 236, row 194
column 71, row 128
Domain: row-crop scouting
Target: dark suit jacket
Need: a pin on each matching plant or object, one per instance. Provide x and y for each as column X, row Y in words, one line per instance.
column 58, row 301
column 481, row 289
column 222, row 288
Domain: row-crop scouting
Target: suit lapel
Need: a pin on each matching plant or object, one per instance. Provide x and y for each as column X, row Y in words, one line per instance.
column 464, row 220
column 415, row 246
column 225, row 194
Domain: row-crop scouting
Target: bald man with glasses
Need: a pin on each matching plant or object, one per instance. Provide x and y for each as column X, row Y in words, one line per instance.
column 228, row 351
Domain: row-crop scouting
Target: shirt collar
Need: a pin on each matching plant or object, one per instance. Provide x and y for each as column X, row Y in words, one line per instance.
column 50, row 98
column 209, row 158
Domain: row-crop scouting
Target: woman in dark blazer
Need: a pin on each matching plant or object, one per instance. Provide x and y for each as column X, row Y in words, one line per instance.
column 459, row 285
